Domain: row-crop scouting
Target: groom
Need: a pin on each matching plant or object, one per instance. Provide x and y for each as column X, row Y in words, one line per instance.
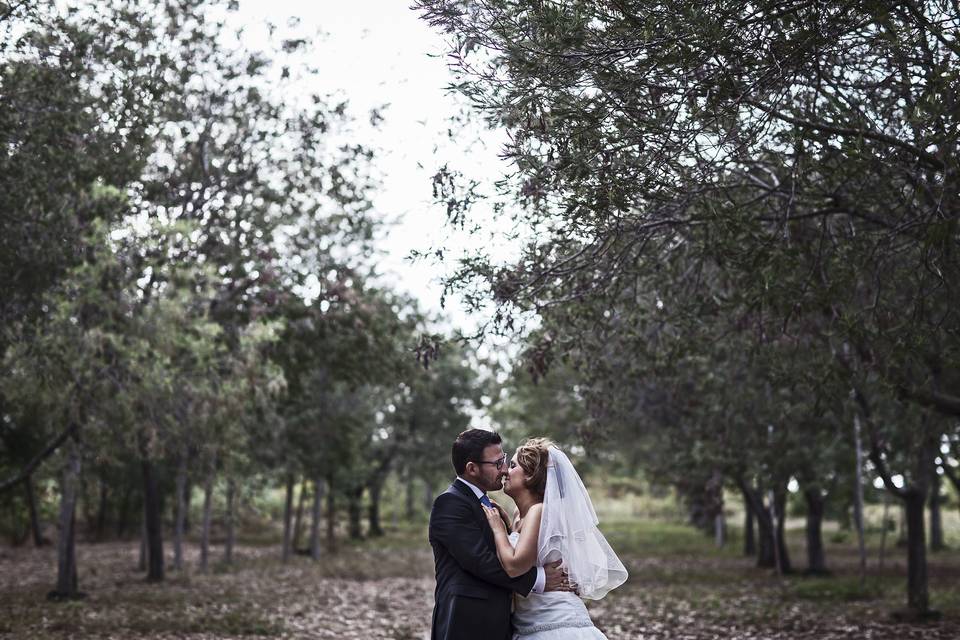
column 473, row 592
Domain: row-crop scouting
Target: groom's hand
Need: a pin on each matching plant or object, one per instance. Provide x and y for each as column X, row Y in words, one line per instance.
column 557, row 579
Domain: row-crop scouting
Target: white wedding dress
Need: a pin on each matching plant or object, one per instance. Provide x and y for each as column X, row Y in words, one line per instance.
column 568, row 531
column 554, row 615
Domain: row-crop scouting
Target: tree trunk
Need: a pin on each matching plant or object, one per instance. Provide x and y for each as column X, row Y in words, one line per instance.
column 84, row 501
column 231, row 520
column 858, row 500
column 428, row 495
column 720, row 530
column 936, row 520
column 883, row 535
column 766, row 553
column 207, row 513
column 102, row 509
column 151, row 494
column 409, row 495
column 123, row 517
column 354, row 510
column 373, row 513
column 331, row 515
column 315, row 518
column 287, row 517
column 914, row 498
column 67, row 584
column 954, row 478
column 181, row 510
column 38, row 540
column 187, row 495
column 749, row 536
column 816, row 559
column 902, row 526
column 298, row 521
column 142, row 560
column 714, row 504
column 782, row 556
column 918, row 598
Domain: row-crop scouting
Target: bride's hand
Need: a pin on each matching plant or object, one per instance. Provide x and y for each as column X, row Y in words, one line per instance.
column 494, row 519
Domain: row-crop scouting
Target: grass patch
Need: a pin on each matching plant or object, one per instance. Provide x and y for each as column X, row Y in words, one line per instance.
column 652, row 538
column 836, row 589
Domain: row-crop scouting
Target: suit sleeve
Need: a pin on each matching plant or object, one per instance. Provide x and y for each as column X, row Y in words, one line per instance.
column 453, row 525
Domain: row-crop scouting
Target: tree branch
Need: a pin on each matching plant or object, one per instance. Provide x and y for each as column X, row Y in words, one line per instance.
column 926, row 157
column 946, row 404
column 40, row 457
column 876, row 449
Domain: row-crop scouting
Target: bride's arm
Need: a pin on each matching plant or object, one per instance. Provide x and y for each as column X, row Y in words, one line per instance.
column 519, row 560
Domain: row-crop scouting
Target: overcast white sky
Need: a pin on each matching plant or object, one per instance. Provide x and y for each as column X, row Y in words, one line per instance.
column 377, row 52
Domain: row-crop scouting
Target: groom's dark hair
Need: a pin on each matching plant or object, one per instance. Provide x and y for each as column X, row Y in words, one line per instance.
column 469, row 446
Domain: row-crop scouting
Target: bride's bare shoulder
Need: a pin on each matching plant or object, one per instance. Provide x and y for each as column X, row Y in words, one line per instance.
column 533, row 513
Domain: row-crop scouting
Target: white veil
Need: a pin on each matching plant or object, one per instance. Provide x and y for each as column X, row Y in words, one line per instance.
column 568, row 531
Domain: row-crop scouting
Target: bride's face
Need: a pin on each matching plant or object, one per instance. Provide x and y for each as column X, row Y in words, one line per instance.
column 515, row 480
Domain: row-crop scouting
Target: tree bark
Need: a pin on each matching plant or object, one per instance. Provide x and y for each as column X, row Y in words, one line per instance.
column 749, row 537
column 914, row 498
column 816, row 559
column 38, row 540
column 231, row 520
column 428, row 495
column 89, row 519
column 766, row 554
column 858, row 499
column 123, row 517
column 375, row 530
column 154, row 521
column 331, row 515
column 102, row 509
column 207, row 513
column 142, row 560
column 918, row 597
column 720, row 530
column 902, row 526
column 181, row 511
column 287, row 517
column 187, row 499
column 67, row 584
column 315, row 518
column 883, row 535
column 954, row 478
column 298, row 521
column 354, row 509
column 409, row 495
column 780, row 511
column 936, row 519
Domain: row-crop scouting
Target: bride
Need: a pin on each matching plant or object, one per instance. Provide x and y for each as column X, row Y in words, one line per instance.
column 555, row 520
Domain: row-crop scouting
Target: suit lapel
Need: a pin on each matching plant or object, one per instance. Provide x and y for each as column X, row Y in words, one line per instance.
column 471, row 497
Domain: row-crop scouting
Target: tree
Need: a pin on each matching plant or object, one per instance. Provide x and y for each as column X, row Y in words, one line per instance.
column 724, row 150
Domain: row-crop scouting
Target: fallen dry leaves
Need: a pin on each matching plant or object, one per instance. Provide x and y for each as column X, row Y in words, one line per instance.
column 378, row 591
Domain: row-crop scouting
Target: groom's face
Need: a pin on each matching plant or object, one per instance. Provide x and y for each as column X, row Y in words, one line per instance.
column 489, row 478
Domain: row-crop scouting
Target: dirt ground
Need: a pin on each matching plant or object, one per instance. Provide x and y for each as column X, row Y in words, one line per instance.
column 375, row 590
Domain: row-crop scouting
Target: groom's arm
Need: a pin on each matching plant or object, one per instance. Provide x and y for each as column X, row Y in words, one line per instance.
column 453, row 525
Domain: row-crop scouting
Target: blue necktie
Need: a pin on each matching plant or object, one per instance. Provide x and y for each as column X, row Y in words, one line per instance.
column 485, row 501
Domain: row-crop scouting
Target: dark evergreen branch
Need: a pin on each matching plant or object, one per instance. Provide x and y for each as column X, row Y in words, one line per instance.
column 28, row 470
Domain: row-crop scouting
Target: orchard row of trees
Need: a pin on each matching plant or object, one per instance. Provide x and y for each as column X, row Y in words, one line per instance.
column 189, row 295
column 744, row 235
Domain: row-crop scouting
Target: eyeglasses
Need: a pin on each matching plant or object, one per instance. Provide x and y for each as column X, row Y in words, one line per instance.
column 499, row 462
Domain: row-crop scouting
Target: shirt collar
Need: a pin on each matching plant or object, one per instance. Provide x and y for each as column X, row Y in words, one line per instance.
column 477, row 492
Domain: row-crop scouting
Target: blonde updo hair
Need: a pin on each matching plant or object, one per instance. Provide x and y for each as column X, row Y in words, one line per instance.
column 533, row 456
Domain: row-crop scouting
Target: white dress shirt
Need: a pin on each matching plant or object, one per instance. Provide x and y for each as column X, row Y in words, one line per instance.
column 541, row 581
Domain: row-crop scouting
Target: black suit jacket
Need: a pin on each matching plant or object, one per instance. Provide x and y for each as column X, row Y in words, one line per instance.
column 473, row 595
